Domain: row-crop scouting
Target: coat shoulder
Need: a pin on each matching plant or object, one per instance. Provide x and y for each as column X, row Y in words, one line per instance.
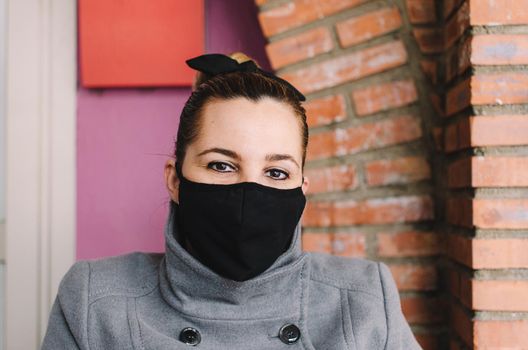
column 131, row 274
column 353, row 274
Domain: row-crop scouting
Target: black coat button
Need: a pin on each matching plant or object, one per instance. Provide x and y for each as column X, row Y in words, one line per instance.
column 289, row 333
column 190, row 336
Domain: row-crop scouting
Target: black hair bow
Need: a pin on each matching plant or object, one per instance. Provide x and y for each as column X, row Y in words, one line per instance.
column 215, row 63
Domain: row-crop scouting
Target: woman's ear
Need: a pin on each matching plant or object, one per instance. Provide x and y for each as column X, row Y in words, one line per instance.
column 305, row 184
column 171, row 179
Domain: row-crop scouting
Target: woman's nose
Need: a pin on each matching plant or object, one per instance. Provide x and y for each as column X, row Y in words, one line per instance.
column 248, row 177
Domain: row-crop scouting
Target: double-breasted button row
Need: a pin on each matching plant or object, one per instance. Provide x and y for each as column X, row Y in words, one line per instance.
column 288, row 334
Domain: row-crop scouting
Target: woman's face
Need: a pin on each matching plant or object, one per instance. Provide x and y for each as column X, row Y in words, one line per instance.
column 244, row 141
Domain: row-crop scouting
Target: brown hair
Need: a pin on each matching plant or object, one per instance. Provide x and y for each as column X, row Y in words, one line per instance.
column 251, row 85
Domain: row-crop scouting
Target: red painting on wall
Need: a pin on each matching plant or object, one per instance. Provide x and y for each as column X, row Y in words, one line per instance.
column 139, row 43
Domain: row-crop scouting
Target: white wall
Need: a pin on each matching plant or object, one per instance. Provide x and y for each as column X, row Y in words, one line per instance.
column 3, row 27
column 2, row 111
column 40, row 117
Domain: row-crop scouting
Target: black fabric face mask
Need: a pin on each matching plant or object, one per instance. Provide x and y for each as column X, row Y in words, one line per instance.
column 238, row 230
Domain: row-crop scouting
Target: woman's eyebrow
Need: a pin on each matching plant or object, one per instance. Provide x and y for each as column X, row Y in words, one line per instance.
column 223, row 151
column 276, row 157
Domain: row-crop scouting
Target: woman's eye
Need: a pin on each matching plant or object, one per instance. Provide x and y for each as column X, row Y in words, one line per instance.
column 278, row 174
column 220, row 167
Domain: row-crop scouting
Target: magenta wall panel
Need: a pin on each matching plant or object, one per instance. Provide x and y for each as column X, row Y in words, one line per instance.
column 125, row 136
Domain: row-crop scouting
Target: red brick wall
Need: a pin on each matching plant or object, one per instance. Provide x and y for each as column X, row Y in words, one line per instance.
column 419, row 142
column 371, row 145
column 485, row 139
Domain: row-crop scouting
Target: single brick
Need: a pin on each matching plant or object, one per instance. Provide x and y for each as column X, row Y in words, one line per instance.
column 421, row 11
column 325, row 110
column 422, row 310
column 430, row 40
column 499, row 295
column 379, row 134
column 500, row 253
column 318, row 214
column 384, row 96
column 458, row 97
column 322, row 145
column 456, row 26
column 367, row 26
column 348, row 67
column 499, row 171
column 383, row 210
column 498, row 49
column 414, row 277
column 317, row 242
column 364, row 137
column 409, row 243
column 507, row 130
column 503, row 334
column 488, row 172
column 499, row 88
column 332, row 179
column 500, row 213
column 491, row 253
column 340, row 244
column 492, row 12
column 370, row 211
column 299, row 47
column 298, row 12
column 397, row 171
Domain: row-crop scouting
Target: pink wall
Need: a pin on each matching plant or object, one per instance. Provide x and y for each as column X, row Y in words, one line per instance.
column 124, row 137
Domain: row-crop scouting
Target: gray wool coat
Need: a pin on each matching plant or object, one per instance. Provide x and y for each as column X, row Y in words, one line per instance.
column 145, row 301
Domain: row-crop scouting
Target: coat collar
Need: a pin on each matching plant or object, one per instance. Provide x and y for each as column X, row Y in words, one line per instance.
column 193, row 289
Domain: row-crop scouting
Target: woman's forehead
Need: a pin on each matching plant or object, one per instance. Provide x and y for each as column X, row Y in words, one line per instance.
column 241, row 106
column 263, row 127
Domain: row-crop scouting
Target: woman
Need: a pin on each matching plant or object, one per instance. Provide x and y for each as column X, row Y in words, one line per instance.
column 233, row 275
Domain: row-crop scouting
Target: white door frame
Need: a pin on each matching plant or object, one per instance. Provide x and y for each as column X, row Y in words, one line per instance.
column 40, row 163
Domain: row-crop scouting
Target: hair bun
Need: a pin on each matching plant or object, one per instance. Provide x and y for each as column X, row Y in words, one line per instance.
column 241, row 57
column 238, row 56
